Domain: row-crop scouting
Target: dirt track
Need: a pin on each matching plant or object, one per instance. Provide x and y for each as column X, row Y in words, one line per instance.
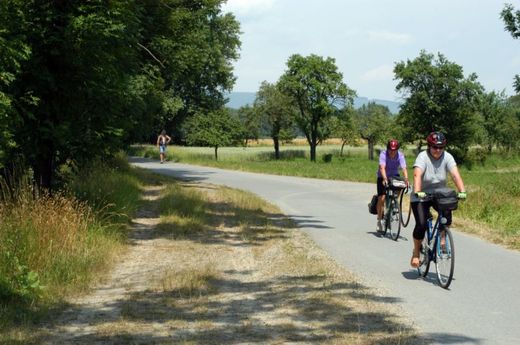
column 226, row 287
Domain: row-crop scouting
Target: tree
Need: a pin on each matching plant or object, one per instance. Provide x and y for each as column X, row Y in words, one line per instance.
column 437, row 97
column 215, row 129
column 343, row 126
column 78, row 80
column 278, row 111
column 70, row 93
column 373, row 123
column 193, row 46
column 13, row 52
column 316, row 87
column 251, row 120
column 495, row 111
column 511, row 18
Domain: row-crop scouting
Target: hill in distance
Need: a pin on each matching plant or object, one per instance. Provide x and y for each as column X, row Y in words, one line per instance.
column 239, row 99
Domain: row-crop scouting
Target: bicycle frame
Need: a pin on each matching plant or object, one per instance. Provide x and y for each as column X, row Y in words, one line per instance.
column 433, row 233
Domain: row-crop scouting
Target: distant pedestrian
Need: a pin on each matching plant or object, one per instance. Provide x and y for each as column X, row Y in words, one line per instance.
column 162, row 140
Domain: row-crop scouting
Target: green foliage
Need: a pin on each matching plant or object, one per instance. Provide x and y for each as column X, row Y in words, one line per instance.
column 343, row 126
column 18, row 283
column 500, row 122
column 279, row 112
column 78, row 80
column 194, row 44
column 437, row 98
column 14, row 51
column 215, row 129
column 317, row 89
column 251, row 121
column 511, row 18
column 374, row 123
column 109, row 189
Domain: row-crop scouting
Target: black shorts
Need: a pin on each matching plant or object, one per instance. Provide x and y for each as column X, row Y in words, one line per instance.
column 381, row 190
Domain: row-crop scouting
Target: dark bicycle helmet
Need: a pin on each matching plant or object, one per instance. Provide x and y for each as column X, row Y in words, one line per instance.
column 392, row 145
column 436, row 139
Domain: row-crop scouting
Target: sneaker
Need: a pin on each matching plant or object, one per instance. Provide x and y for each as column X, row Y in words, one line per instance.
column 379, row 226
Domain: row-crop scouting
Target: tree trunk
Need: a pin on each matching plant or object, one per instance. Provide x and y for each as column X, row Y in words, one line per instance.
column 342, row 146
column 216, row 154
column 276, row 141
column 370, row 149
column 313, row 141
column 43, row 173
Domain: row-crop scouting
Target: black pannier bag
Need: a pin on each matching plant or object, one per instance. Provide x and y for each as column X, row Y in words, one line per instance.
column 396, row 183
column 372, row 205
column 445, row 199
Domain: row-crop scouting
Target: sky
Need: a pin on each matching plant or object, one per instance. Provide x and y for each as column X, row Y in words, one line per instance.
column 368, row 37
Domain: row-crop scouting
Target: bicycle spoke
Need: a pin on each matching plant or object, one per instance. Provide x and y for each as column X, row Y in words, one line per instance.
column 445, row 258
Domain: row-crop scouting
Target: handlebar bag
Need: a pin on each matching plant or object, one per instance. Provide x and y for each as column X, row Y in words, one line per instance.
column 396, row 182
column 445, row 199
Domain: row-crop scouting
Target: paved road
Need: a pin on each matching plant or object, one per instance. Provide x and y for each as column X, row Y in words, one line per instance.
column 482, row 305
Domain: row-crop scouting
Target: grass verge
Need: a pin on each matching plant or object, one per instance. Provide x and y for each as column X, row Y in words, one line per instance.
column 55, row 246
column 242, row 272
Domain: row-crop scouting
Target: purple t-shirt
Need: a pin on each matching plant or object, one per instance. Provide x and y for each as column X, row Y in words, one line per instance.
column 391, row 165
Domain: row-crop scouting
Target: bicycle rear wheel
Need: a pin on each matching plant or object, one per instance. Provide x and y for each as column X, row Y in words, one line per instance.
column 445, row 259
column 424, row 258
column 394, row 219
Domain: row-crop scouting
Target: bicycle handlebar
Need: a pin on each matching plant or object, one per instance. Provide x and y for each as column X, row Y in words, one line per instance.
column 431, row 196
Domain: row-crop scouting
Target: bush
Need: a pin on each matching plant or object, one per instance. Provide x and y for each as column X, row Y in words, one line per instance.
column 475, row 156
column 327, row 158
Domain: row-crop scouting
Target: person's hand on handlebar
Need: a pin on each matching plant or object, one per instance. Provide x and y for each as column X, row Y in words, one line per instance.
column 420, row 195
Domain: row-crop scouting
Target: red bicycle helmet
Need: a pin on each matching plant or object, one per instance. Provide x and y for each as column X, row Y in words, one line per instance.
column 392, row 145
column 436, row 139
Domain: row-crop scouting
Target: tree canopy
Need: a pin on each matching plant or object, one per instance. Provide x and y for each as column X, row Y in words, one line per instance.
column 511, row 18
column 317, row 89
column 214, row 129
column 78, row 80
column 373, row 122
column 437, row 98
column 278, row 111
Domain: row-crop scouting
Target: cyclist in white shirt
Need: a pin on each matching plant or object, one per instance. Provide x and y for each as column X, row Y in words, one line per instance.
column 430, row 173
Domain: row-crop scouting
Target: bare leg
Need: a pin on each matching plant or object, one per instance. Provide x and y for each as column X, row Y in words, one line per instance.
column 414, row 262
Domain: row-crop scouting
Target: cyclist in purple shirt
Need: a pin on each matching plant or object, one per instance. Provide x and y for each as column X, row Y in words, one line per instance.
column 390, row 161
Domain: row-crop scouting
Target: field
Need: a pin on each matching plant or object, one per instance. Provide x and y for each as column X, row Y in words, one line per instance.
column 493, row 185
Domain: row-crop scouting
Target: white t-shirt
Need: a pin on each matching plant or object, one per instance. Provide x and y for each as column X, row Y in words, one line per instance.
column 435, row 171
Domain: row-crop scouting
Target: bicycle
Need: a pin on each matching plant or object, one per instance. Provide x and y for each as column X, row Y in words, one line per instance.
column 392, row 212
column 431, row 248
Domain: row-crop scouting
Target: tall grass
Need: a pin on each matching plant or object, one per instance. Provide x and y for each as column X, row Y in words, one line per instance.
column 110, row 188
column 51, row 246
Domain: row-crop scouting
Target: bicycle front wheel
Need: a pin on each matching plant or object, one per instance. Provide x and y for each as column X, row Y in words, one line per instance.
column 445, row 259
column 394, row 219
column 424, row 258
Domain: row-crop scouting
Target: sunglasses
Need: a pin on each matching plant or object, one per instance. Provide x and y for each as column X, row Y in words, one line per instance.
column 438, row 147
